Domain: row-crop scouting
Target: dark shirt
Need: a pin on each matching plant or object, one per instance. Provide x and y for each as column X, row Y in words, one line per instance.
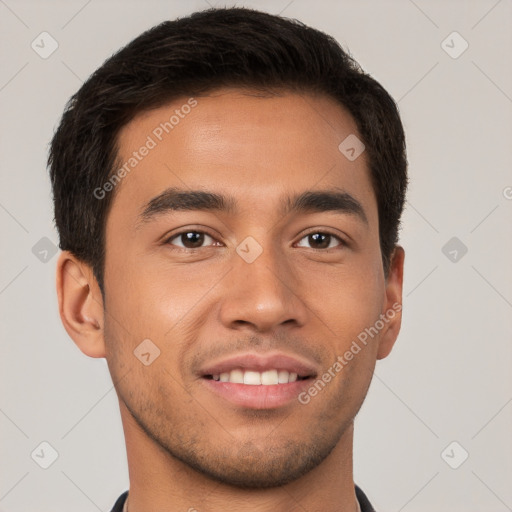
column 363, row 502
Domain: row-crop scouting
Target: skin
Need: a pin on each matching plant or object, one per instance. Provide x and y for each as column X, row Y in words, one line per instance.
column 188, row 448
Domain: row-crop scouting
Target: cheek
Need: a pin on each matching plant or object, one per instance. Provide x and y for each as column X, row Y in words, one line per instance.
column 167, row 306
column 173, row 295
column 350, row 302
column 142, row 297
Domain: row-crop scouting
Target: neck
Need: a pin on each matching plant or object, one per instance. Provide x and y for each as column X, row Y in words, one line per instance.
column 160, row 482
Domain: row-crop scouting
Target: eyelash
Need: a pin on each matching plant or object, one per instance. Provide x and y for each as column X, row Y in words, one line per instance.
column 342, row 243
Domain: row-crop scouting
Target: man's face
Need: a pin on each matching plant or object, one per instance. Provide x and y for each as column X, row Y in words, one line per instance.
column 284, row 290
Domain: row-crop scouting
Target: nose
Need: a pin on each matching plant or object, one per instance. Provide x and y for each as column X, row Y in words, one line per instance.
column 262, row 295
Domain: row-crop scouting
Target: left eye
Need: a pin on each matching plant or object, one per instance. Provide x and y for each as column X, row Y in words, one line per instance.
column 191, row 239
column 321, row 240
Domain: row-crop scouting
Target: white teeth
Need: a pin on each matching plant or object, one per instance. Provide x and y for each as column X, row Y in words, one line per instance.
column 253, row 378
column 236, row 377
column 269, row 378
column 283, row 376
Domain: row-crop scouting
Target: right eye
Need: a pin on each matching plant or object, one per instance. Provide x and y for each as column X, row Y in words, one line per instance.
column 190, row 239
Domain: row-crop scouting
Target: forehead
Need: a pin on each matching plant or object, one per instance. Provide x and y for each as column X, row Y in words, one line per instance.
column 241, row 143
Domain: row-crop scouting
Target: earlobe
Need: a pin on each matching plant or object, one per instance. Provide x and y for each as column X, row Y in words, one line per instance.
column 80, row 304
column 393, row 303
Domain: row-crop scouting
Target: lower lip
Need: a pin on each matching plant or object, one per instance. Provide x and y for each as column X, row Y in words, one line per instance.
column 258, row 397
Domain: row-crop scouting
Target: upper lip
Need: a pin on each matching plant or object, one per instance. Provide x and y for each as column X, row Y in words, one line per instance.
column 260, row 363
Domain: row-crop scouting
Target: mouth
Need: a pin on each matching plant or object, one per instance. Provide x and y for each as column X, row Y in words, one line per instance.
column 270, row 377
column 255, row 381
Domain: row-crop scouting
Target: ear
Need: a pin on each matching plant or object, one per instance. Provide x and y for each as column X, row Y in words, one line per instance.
column 80, row 304
column 392, row 313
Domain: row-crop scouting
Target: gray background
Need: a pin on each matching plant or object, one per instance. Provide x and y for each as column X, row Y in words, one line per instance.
column 449, row 377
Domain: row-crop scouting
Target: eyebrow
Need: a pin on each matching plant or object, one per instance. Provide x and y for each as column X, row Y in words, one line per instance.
column 317, row 201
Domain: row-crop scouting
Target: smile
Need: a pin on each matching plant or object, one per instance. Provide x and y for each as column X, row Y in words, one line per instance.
column 258, row 381
column 256, row 378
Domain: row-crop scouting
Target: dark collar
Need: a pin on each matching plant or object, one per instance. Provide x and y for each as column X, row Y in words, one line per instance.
column 365, row 504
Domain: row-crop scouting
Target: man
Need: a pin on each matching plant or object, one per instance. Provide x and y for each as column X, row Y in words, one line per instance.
column 227, row 190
